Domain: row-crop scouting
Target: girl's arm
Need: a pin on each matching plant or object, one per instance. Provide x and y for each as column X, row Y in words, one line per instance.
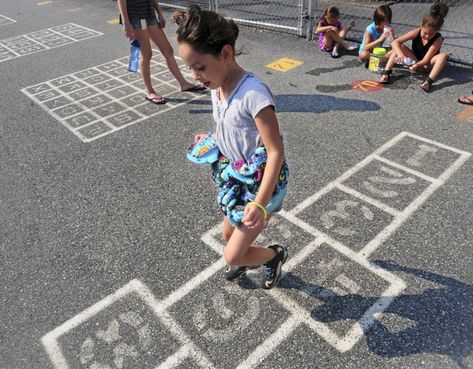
column 162, row 20
column 396, row 44
column 429, row 55
column 127, row 27
column 322, row 28
column 370, row 44
column 268, row 128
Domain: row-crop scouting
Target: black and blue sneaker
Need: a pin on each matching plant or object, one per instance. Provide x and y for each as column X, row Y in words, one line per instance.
column 273, row 268
column 234, row 271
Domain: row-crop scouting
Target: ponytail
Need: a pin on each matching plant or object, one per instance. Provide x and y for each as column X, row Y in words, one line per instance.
column 435, row 18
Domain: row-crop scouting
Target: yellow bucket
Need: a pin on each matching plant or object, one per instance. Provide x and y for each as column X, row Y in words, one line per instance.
column 375, row 58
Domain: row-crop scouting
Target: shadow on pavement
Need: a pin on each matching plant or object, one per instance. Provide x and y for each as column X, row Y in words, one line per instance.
column 441, row 317
column 320, row 104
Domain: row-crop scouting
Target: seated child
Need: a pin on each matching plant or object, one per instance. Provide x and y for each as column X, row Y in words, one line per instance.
column 331, row 33
column 374, row 35
column 425, row 52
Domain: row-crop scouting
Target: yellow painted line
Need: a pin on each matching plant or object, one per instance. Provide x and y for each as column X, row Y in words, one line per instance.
column 74, row 10
column 113, row 21
column 44, row 2
column 284, row 64
column 466, row 114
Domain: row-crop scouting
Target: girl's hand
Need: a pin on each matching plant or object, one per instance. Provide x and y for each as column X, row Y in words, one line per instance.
column 253, row 217
column 414, row 67
column 128, row 30
column 200, row 136
column 333, row 28
column 400, row 58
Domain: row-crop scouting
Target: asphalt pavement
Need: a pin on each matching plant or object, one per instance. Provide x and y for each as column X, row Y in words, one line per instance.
column 110, row 250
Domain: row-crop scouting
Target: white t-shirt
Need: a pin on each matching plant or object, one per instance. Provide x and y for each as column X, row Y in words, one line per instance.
column 237, row 134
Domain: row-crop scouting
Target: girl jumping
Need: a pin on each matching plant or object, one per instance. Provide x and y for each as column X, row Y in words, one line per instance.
column 247, row 136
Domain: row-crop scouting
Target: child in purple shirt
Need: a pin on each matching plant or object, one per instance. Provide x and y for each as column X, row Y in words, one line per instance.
column 331, row 33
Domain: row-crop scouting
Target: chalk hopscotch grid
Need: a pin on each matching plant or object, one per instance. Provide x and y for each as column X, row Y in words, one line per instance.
column 49, row 38
column 299, row 315
column 127, row 109
column 5, row 20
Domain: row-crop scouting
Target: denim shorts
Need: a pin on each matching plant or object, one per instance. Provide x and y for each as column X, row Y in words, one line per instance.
column 136, row 22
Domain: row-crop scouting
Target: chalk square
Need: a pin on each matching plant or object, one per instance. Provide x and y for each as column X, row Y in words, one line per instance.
column 386, row 184
column 122, row 119
column 337, row 294
column 124, row 330
column 47, row 95
column 57, row 103
column 71, row 87
column 109, row 66
column 224, row 313
column 6, row 54
column 134, row 100
column 96, row 79
column 130, row 77
column 425, row 156
column 69, row 110
column 149, row 109
column 95, row 101
column 57, row 41
column 108, row 85
column 21, row 44
column 93, row 130
column 41, row 34
column 108, row 109
column 30, row 50
column 122, row 91
column 82, row 35
column 85, row 73
column 61, row 81
column 120, row 71
column 12, row 41
column 80, row 120
column 83, row 93
column 37, row 89
column 346, row 218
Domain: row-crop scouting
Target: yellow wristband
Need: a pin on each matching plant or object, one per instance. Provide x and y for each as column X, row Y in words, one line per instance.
column 263, row 209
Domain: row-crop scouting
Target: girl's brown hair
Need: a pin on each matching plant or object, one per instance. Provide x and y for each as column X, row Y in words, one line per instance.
column 435, row 18
column 382, row 12
column 205, row 31
column 331, row 12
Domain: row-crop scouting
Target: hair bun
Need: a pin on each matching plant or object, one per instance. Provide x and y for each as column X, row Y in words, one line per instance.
column 179, row 17
column 439, row 10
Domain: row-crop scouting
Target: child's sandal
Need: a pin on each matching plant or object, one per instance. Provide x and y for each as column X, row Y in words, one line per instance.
column 386, row 73
column 427, row 84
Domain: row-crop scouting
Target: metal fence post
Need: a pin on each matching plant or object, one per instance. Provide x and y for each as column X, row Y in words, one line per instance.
column 310, row 21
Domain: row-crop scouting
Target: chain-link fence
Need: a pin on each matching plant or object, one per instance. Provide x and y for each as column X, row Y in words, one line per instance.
column 407, row 14
column 298, row 17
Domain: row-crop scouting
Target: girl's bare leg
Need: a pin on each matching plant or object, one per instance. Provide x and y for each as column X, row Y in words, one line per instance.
column 365, row 55
column 438, row 63
column 157, row 35
column 240, row 249
column 145, row 61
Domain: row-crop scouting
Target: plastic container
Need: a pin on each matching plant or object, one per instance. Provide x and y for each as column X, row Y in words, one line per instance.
column 375, row 59
column 388, row 40
column 134, row 56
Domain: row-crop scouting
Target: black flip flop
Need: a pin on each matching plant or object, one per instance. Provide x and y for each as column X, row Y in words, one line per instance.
column 156, row 100
column 195, row 88
column 469, row 102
